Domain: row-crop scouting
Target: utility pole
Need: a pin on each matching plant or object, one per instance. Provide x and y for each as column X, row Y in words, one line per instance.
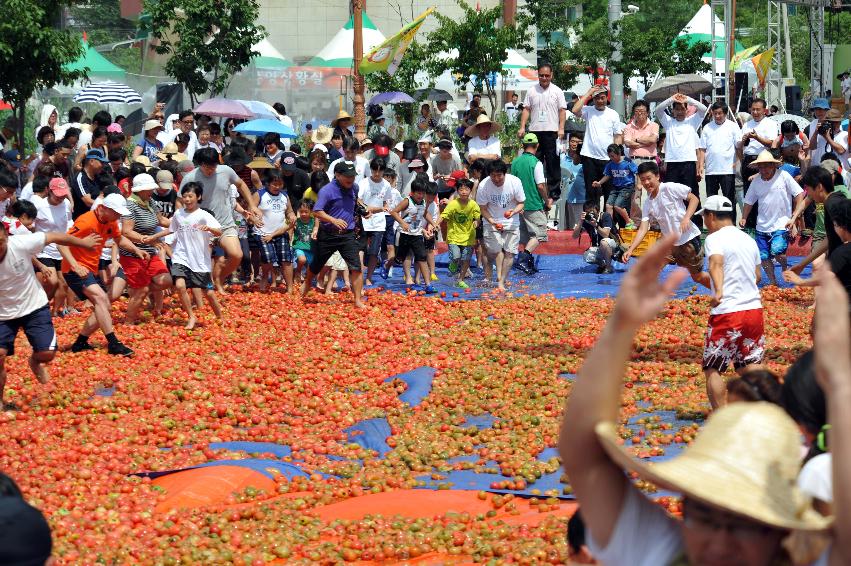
column 358, row 83
column 616, row 79
column 509, row 14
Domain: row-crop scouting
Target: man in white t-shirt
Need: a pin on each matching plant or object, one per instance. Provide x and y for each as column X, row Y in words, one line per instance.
column 501, row 199
column 757, row 136
column 483, row 143
column 829, row 137
column 544, row 111
column 511, row 108
column 665, row 205
column 818, row 108
column 716, row 161
column 778, row 196
column 735, row 334
column 845, row 86
column 23, row 302
column 603, row 127
column 682, row 143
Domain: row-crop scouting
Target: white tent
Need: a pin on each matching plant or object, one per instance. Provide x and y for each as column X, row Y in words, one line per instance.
column 520, row 74
column 339, row 52
column 269, row 56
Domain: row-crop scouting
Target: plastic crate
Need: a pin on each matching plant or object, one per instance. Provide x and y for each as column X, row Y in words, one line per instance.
column 649, row 239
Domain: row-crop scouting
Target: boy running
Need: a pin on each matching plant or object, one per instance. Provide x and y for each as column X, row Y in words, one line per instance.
column 735, row 331
column 24, row 304
column 80, row 267
column 278, row 215
column 414, row 222
column 462, row 218
column 375, row 194
column 665, row 205
column 303, row 233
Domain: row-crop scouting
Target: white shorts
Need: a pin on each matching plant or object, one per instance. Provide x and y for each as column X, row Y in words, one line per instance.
column 505, row 240
column 336, row 262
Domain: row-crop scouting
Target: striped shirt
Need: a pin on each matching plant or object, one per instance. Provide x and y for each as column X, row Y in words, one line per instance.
column 145, row 223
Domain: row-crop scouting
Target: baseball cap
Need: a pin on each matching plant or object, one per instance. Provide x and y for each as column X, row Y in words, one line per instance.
column 444, row 144
column 716, row 203
column 345, row 168
column 58, row 186
column 165, row 180
column 381, row 151
column 530, row 138
column 399, row 147
column 288, row 161
column 822, row 103
column 454, row 177
column 601, row 89
column 117, row 203
column 13, row 156
column 96, row 154
column 24, row 533
column 415, row 163
column 151, row 124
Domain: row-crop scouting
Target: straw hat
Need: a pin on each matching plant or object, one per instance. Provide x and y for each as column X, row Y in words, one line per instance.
column 341, row 115
column 261, row 163
column 765, row 157
column 143, row 159
column 321, row 135
column 745, row 460
column 473, row 130
column 833, row 115
column 170, row 149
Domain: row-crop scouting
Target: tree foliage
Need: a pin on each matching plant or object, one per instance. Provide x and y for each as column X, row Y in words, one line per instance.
column 102, row 21
column 473, row 48
column 33, row 52
column 208, row 41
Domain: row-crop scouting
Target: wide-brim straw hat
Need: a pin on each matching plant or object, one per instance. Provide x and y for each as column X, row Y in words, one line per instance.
column 473, row 130
column 322, row 135
column 170, row 150
column 833, row 115
column 342, row 115
column 765, row 157
column 745, row 461
column 261, row 163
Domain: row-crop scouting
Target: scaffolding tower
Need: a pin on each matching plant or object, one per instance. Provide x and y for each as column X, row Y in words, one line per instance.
column 720, row 80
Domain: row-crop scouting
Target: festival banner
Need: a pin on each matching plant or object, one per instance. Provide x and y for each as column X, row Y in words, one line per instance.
column 739, row 58
column 388, row 55
column 762, row 64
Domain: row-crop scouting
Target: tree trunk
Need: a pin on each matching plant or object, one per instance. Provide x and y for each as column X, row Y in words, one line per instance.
column 20, row 113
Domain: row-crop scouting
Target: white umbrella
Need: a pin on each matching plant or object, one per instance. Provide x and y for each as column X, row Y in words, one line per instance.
column 108, row 93
column 802, row 122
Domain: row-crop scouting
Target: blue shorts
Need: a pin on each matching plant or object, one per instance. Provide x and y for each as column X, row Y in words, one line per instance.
column 78, row 284
column 621, row 197
column 276, row 251
column 390, row 231
column 306, row 254
column 460, row 253
column 375, row 240
column 772, row 244
column 38, row 328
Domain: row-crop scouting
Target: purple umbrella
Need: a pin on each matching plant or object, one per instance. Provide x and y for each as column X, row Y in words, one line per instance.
column 390, row 98
column 224, row 108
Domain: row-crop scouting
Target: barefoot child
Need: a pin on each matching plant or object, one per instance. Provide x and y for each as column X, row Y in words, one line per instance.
column 303, row 232
column 415, row 223
column 621, row 172
column 190, row 262
column 462, row 218
column 275, row 250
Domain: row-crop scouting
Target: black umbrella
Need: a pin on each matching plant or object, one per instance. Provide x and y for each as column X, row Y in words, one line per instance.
column 435, row 94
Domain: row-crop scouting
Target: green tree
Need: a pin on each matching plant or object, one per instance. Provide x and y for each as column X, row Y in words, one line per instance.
column 209, row 41
column 33, row 53
column 549, row 17
column 648, row 51
column 474, row 47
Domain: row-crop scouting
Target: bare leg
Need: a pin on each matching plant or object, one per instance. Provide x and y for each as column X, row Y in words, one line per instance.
column 465, row 265
column 507, row 262
column 432, row 273
column 101, row 316
column 185, row 302
column 784, row 263
column 307, row 283
column 265, row 273
column 233, row 255
column 357, row 288
column 116, row 289
column 531, row 244
column 332, row 280
column 768, row 266
column 287, row 268
column 498, row 259
column 137, row 297
column 2, row 377
column 406, row 266
column 715, row 388
column 37, row 364
column 214, row 303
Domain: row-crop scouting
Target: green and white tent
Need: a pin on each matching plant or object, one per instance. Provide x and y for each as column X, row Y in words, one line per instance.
column 339, row 52
column 99, row 66
column 270, row 57
column 699, row 28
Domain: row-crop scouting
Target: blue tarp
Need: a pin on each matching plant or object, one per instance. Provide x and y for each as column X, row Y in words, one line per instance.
column 419, row 384
column 371, row 434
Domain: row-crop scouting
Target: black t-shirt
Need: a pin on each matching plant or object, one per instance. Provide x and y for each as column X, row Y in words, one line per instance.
column 164, row 204
column 80, row 185
column 840, row 263
column 833, row 239
column 604, row 222
column 295, row 186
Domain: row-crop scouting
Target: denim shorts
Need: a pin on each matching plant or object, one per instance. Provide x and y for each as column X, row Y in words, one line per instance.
column 460, row 253
column 621, row 197
column 772, row 244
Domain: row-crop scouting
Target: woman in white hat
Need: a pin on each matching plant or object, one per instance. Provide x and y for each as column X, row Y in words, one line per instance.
column 483, row 143
column 142, row 227
column 150, row 146
column 737, row 477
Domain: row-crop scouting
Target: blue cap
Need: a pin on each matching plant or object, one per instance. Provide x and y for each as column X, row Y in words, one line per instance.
column 97, row 154
column 822, row 103
column 13, row 156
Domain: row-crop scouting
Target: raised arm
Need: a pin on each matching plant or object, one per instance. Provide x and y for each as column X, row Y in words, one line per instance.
column 598, row 482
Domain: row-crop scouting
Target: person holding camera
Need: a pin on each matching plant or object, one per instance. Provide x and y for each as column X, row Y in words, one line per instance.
column 603, row 233
column 828, row 136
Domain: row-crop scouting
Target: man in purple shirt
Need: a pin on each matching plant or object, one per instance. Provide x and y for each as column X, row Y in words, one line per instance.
column 335, row 211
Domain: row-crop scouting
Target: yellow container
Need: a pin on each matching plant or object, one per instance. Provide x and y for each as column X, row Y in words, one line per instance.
column 649, row 239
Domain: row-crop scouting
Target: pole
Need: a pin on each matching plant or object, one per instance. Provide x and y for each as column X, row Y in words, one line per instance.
column 616, row 79
column 787, row 44
column 509, row 14
column 731, row 74
column 359, row 86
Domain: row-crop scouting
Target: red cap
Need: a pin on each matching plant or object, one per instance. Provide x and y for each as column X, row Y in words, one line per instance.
column 381, row 151
column 58, row 187
column 454, row 177
column 124, row 187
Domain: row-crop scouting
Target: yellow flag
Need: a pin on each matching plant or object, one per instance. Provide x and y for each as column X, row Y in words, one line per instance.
column 762, row 64
column 739, row 57
column 388, row 55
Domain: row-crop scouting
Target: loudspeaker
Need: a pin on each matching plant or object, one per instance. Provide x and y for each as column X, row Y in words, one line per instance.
column 741, row 101
column 794, row 105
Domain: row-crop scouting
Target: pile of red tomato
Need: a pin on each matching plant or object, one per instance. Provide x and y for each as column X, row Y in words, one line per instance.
column 292, row 373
